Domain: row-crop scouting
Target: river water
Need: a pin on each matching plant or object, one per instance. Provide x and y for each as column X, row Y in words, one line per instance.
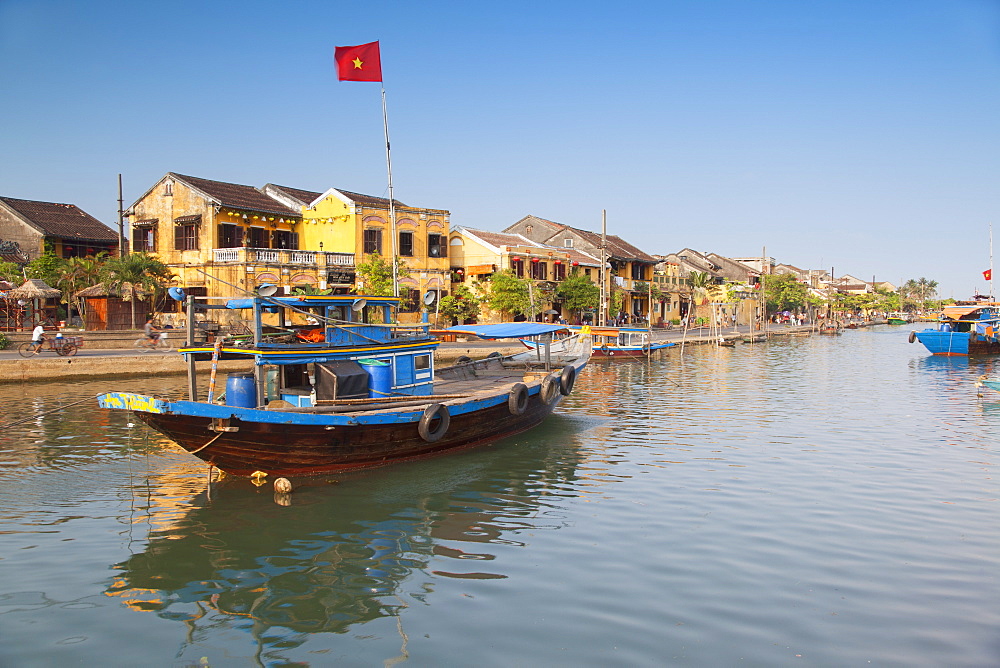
column 811, row 501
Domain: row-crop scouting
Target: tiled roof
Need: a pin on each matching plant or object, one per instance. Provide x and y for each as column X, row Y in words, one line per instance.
column 617, row 247
column 581, row 257
column 369, row 199
column 501, row 239
column 308, row 196
column 66, row 221
column 237, row 196
column 305, row 197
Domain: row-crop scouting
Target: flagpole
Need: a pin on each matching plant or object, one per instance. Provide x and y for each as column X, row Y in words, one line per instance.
column 991, row 262
column 392, row 200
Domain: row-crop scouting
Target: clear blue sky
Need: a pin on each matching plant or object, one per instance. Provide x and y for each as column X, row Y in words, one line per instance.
column 859, row 135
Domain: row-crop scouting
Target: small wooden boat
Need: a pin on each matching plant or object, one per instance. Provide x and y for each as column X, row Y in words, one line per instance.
column 366, row 395
column 618, row 342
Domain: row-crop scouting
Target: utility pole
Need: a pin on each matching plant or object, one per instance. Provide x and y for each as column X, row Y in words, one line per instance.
column 602, row 317
column 121, row 219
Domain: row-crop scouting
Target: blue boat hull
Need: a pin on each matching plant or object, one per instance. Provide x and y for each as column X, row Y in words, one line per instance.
column 956, row 343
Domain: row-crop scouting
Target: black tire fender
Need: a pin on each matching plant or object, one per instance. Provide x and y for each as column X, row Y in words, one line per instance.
column 463, row 359
column 604, row 349
column 913, row 337
column 567, row 379
column 433, row 412
column 517, row 400
column 550, row 388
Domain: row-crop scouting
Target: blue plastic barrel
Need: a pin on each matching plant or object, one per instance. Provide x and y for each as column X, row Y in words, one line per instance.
column 379, row 377
column 240, row 390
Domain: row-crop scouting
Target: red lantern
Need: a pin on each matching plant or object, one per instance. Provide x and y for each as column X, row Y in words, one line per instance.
column 534, row 259
column 558, row 261
column 515, row 259
column 576, row 264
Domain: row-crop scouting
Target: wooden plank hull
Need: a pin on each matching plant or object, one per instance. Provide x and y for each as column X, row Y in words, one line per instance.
column 316, row 449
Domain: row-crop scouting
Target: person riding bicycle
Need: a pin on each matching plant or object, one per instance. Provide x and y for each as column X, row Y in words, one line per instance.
column 38, row 336
column 151, row 332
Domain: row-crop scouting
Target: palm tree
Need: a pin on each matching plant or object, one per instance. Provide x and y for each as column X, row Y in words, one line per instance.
column 80, row 272
column 134, row 276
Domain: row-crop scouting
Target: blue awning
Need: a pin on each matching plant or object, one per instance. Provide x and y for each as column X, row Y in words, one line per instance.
column 508, row 330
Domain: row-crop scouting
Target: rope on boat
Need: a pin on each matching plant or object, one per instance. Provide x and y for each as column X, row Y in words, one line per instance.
column 207, row 444
column 54, row 410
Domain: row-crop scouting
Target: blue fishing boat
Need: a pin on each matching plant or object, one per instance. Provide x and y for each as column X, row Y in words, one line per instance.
column 963, row 329
column 348, row 388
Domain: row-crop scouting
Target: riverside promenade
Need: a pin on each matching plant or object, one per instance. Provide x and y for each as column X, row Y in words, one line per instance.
column 110, row 355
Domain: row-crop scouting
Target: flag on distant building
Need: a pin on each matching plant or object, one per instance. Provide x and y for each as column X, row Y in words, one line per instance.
column 988, row 274
column 358, row 63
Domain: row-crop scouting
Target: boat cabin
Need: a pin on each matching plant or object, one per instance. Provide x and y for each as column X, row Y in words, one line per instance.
column 307, row 349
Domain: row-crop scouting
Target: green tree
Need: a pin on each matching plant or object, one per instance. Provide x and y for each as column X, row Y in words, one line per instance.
column 578, row 293
column 309, row 289
column 507, row 294
column 375, row 276
column 461, row 305
column 11, row 272
column 134, row 277
column 47, row 267
column 79, row 273
column 784, row 292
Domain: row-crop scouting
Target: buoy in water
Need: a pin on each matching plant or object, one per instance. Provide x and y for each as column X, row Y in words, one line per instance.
column 283, row 486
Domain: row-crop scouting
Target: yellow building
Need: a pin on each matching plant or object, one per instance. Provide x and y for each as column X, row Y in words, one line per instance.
column 362, row 225
column 221, row 238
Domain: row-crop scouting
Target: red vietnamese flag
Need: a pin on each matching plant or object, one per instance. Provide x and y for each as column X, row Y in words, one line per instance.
column 358, row 63
column 988, row 274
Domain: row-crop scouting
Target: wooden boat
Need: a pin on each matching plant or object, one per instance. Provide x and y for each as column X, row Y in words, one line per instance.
column 366, row 395
column 899, row 318
column 617, row 342
column 968, row 328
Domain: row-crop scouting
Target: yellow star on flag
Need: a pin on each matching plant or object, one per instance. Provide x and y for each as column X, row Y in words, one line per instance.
column 357, row 63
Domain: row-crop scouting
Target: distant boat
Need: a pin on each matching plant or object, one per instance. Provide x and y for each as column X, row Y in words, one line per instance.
column 362, row 392
column 963, row 329
column 899, row 318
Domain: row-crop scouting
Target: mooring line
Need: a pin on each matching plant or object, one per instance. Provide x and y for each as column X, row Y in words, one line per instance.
column 54, row 410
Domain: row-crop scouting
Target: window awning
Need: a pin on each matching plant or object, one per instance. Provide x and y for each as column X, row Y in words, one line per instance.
column 146, row 222
column 196, row 218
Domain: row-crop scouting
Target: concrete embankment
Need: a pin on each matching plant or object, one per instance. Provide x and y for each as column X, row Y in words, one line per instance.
column 119, row 365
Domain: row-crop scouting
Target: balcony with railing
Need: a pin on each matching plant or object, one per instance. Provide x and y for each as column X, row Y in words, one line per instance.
column 281, row 257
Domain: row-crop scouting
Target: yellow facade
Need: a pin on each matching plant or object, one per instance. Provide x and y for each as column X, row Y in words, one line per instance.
column 227, row 249
column 330, row 221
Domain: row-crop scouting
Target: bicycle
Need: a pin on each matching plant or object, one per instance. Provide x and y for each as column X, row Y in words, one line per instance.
column 60, row 346
column 144, row 345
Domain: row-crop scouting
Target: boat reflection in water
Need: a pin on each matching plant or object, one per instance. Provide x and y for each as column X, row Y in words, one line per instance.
column 347, row 553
